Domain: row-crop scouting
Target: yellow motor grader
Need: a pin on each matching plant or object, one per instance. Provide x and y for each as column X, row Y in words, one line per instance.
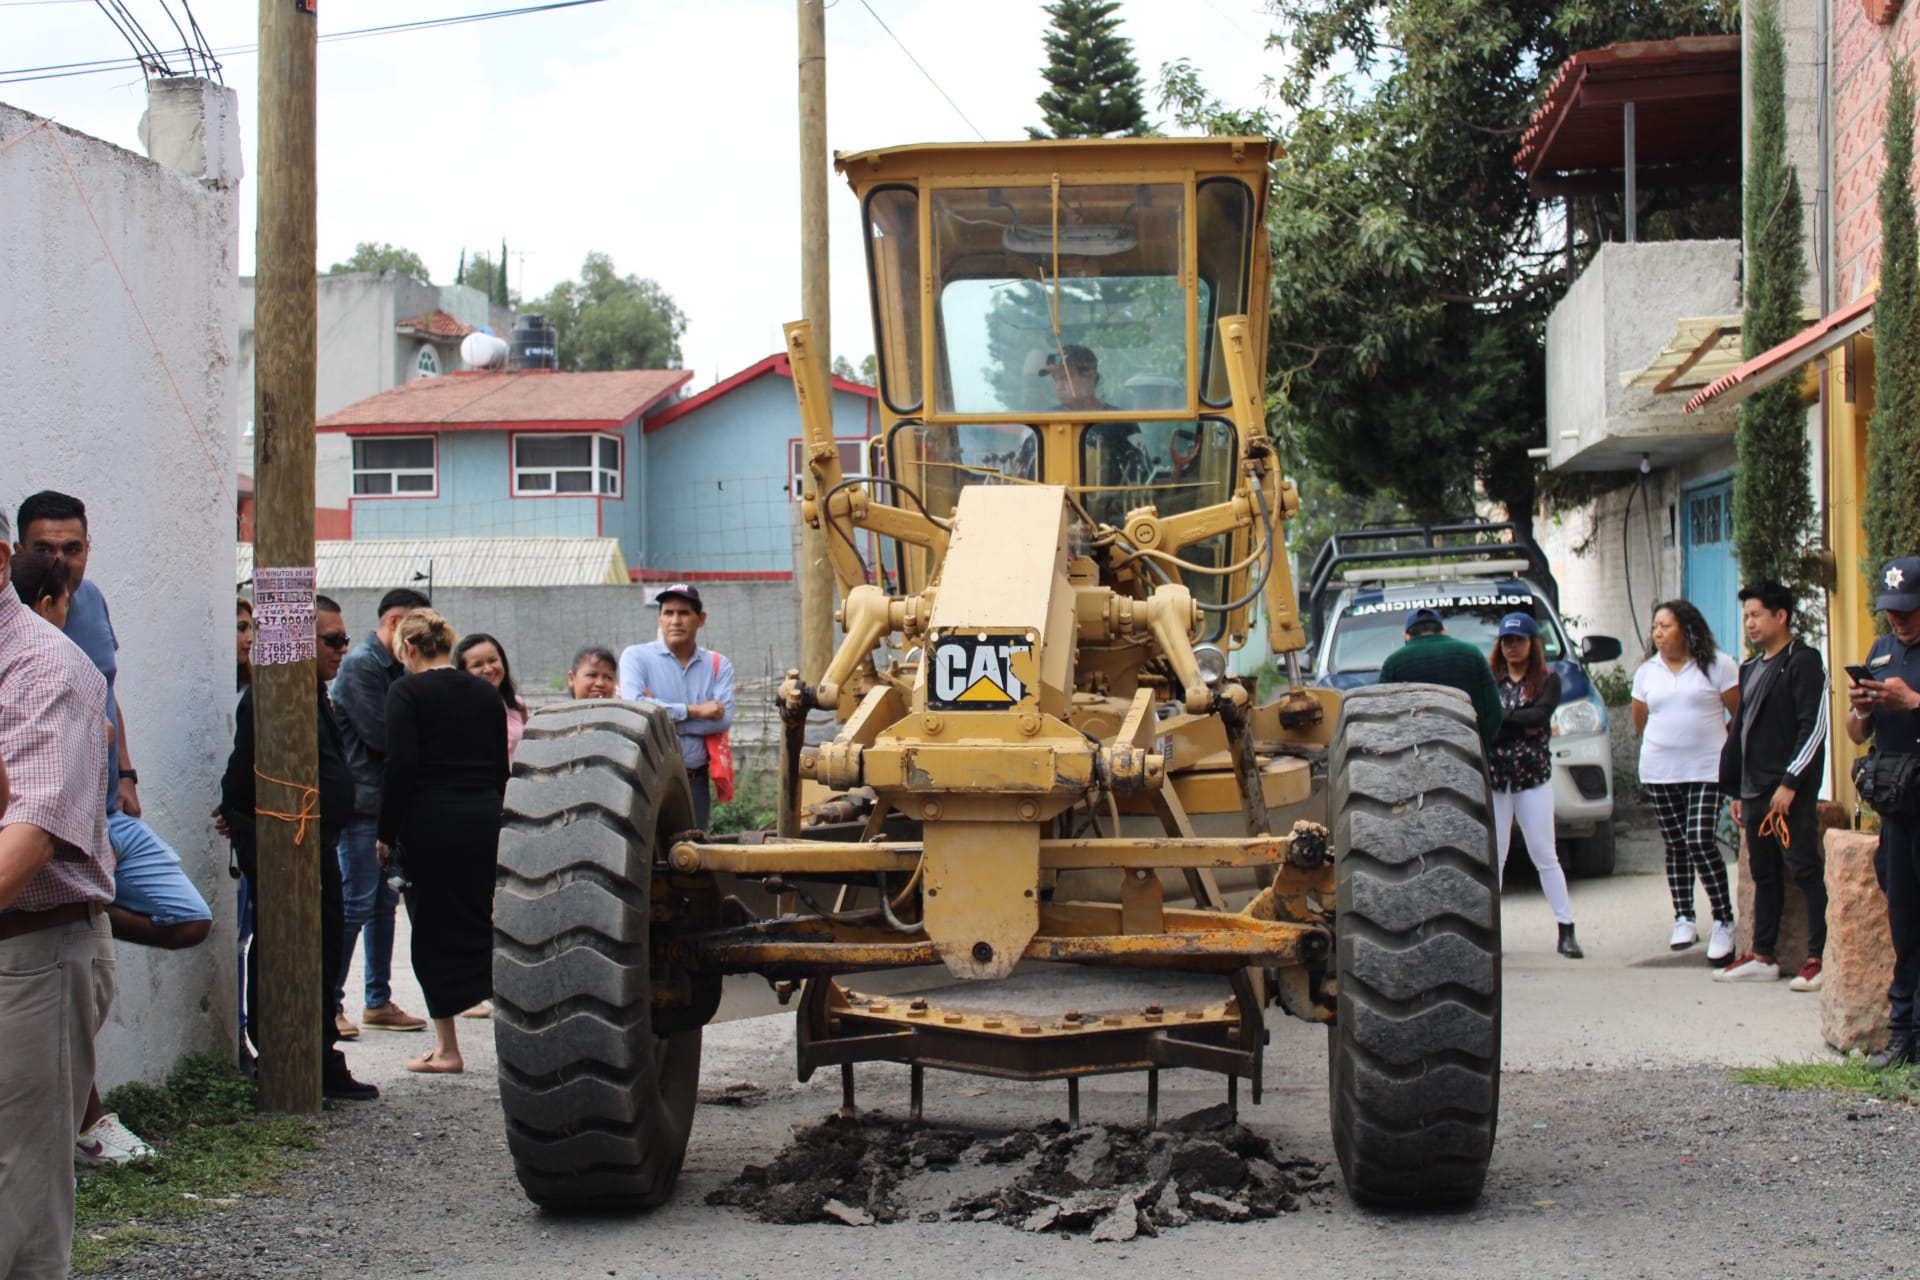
column 1072, row 516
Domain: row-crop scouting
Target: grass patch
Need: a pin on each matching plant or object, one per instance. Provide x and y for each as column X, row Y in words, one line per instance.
column 212, row 1150
column 1851, row 1075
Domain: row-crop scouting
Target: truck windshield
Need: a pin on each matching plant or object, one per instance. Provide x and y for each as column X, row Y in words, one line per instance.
column 1366, row 632
column 1119, row 298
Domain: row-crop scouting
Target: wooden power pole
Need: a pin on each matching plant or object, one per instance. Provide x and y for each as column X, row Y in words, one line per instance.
column 816, row 572
column 285, row 301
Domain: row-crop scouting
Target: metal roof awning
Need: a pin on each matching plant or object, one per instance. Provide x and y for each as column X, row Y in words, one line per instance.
column 461, row 562
column 1788, row 357
column 1700, row 350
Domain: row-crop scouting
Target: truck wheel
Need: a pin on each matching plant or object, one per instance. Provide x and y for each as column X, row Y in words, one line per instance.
column 598, row 1107
column 1593, row 855
column 1414, row 1055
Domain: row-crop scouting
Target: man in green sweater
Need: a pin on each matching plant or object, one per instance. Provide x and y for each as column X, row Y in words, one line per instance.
column 1431, row 656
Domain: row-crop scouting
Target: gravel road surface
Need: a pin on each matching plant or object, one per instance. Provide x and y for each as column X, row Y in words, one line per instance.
column 1624, row 1151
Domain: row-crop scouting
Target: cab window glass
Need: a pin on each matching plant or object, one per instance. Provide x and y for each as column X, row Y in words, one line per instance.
column 942, row 460
column 893, row 265
column 1017, row 279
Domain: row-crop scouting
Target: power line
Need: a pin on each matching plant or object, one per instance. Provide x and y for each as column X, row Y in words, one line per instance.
column 923, row 71
column 60, row 70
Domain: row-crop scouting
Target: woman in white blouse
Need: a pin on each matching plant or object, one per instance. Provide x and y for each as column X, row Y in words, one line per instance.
column 1682, row 696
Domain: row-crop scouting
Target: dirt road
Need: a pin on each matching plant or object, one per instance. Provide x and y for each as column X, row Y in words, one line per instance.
column 1624, row 1151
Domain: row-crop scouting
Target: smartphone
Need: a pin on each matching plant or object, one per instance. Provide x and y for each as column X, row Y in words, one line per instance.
column 1857, row 672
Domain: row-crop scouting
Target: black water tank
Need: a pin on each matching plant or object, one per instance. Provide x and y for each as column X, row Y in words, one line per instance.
column 534, row 343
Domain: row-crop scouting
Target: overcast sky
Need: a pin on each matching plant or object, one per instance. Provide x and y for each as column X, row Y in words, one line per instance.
column 662, row 132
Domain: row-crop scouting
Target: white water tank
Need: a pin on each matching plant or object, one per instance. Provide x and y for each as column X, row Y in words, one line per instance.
column 483, row 351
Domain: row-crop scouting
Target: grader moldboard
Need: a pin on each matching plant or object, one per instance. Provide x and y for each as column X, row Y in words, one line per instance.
column 1040, row 581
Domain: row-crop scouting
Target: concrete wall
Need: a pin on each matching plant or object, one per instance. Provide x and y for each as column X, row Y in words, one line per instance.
column 91, row 411
column 360, row 355
column 716, row 484
column 756, row 624
column 1861, row 52
column 1612, row 323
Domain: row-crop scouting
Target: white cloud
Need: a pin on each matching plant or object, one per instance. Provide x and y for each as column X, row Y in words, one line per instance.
column 663, row 134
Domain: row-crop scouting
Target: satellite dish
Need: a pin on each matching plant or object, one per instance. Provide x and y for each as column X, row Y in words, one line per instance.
column 481, row 350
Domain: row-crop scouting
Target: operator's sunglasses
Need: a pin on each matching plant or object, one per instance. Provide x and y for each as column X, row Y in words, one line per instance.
column 335, row 640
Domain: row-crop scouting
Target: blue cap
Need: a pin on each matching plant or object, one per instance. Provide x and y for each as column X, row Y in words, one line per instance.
column 1519, row 624
column 1900, row 585
column 1422, row 614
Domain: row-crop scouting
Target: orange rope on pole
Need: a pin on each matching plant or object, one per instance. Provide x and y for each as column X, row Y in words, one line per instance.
column 125, row 284
column 309, row 802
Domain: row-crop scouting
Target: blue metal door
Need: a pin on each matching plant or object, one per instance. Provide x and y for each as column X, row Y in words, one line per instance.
column 1710, row 577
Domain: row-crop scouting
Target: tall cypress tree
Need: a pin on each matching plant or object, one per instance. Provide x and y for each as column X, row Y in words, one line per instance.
column 1093, row 83
column 1893, row 434
column 500, row 296
column 1772, row 496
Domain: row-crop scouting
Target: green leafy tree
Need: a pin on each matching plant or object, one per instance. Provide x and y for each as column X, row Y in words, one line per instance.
column 1093, row 84
column 605, row 320
column 1772, row 499
column 866, row 374
column 368, row 256
column 1413, row 269
column 1893, row 434
column 479, row 270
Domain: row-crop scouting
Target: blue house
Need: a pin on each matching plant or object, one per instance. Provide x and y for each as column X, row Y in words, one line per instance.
column 701, row 487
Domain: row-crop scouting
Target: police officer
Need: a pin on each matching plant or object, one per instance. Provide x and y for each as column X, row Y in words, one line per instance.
column 1886, row 708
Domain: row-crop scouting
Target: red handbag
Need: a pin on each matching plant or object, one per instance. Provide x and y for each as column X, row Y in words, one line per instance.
column 720, row 756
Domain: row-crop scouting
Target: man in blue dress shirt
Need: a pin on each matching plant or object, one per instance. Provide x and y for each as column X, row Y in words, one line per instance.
column 695, row 685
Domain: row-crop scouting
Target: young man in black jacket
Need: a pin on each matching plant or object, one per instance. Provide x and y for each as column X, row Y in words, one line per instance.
column 1771, row 768
column 238, row 801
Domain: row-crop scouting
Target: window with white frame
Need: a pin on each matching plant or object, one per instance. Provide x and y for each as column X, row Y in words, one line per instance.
column 853, row 462
column 395, row 467
column 427, row 363
column 584, row 465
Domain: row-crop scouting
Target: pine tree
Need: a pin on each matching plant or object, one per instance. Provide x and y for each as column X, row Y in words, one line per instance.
column 460, row 276
column 1772, row 494
column 1892, row 517
column 500, row 292
column 1093, row 83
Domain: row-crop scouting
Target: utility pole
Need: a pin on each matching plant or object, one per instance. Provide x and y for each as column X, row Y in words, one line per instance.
column 816, row 572
column 285, row 301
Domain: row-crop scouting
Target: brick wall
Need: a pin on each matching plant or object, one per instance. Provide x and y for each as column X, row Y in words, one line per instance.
column 1861, row 53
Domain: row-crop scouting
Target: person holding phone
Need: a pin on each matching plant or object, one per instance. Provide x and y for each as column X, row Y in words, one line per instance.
column 1884, row 708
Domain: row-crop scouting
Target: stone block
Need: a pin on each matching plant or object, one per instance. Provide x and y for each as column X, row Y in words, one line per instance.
column 1859, row 959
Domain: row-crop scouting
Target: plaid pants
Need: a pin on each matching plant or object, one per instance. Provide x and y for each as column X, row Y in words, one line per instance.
column 1687, row 813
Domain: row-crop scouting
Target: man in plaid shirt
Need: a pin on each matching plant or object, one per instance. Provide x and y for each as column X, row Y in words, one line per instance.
column 56, row 950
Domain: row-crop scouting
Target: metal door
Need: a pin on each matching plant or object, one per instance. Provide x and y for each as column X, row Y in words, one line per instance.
column 1710, row 577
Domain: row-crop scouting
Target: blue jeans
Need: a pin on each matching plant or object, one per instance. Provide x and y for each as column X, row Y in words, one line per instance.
column 369, row 913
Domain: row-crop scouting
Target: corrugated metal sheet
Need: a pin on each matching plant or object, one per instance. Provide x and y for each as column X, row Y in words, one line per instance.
column 461, row 562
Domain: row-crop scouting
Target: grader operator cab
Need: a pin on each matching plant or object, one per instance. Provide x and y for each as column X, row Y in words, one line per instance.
column 1072, row 513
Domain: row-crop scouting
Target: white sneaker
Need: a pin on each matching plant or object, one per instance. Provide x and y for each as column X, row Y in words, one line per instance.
column 107, row 1141
column 1749, row 969
column 1720, row 943
column 1685, row 934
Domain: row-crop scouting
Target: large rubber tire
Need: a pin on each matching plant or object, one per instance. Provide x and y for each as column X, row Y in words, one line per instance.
column 1590, row 857
column 598, row 1108
column 1414, row 1055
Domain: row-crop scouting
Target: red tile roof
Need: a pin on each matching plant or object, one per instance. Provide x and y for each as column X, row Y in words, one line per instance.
column 1687, row 96
column 500, row 401
column 776, row 363
column 435, row 324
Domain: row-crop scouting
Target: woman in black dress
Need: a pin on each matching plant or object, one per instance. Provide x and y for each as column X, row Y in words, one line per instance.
column 440, row 807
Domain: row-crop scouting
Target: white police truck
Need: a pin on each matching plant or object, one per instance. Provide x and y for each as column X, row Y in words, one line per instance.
column 1472, row 573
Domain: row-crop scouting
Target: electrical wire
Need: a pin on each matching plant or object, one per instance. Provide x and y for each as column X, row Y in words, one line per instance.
column 923, row 71
column 61, row 70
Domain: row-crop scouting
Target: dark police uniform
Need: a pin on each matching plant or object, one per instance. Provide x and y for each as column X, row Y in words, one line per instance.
column 1897, row 861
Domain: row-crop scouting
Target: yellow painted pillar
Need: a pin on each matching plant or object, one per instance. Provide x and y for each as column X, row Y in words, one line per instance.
column 1850, row 614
